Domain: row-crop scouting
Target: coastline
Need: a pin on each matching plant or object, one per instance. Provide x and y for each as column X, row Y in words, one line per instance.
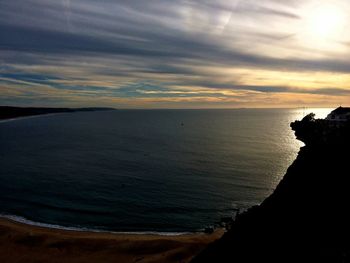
column 25, row 221
column 11, row 113
column 20, row 242
column 27, row 117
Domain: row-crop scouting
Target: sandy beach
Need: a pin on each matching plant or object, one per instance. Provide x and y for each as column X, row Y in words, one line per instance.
column 25, row 243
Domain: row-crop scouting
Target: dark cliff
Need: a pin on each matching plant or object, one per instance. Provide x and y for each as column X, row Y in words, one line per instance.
column 307, row 218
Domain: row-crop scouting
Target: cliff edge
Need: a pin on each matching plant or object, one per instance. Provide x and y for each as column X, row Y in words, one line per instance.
column 306, row 218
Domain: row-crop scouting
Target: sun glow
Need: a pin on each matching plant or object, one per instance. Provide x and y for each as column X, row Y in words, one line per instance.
column 327, row 21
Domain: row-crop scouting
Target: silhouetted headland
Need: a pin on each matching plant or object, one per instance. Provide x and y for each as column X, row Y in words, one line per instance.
column 7, row 112
column 306, row 218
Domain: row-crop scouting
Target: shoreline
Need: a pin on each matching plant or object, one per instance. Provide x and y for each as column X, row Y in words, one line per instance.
column 20, row 242
column 27, row 117
column 25, row 221
column 10, row 112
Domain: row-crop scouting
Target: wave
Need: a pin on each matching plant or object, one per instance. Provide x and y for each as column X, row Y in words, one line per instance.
column 22, row 220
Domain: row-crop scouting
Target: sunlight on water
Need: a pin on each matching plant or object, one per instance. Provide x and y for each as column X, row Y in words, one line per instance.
column 320, row 113
column 290, row 140
column 165, row 170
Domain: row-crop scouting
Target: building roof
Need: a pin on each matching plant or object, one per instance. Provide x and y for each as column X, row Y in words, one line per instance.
column 341, row 110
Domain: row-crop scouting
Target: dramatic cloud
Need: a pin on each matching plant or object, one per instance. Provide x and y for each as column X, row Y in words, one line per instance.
column 178, row 53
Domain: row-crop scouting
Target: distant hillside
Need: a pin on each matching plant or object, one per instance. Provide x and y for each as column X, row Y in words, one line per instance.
column 307, row 218
column 7, row 112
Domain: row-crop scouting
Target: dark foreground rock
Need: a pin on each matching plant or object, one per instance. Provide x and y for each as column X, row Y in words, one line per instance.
column 307, row 217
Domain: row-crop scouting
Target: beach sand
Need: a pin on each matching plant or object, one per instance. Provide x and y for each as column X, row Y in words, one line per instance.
column 28, row 244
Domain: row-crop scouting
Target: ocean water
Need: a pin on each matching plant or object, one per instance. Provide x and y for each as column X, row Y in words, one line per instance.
column 143, row 170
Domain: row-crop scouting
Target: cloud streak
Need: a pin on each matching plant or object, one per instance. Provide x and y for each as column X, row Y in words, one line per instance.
column 161, row 49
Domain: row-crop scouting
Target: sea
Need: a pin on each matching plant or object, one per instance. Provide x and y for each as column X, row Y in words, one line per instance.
column 143, row 171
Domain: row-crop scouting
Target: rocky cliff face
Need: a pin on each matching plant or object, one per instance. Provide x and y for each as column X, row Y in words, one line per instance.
column 307, row 218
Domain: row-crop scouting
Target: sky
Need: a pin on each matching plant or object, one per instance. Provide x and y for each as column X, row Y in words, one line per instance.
column 175, row 53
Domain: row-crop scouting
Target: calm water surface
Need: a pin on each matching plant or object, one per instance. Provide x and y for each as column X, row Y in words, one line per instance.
column 143, row 170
